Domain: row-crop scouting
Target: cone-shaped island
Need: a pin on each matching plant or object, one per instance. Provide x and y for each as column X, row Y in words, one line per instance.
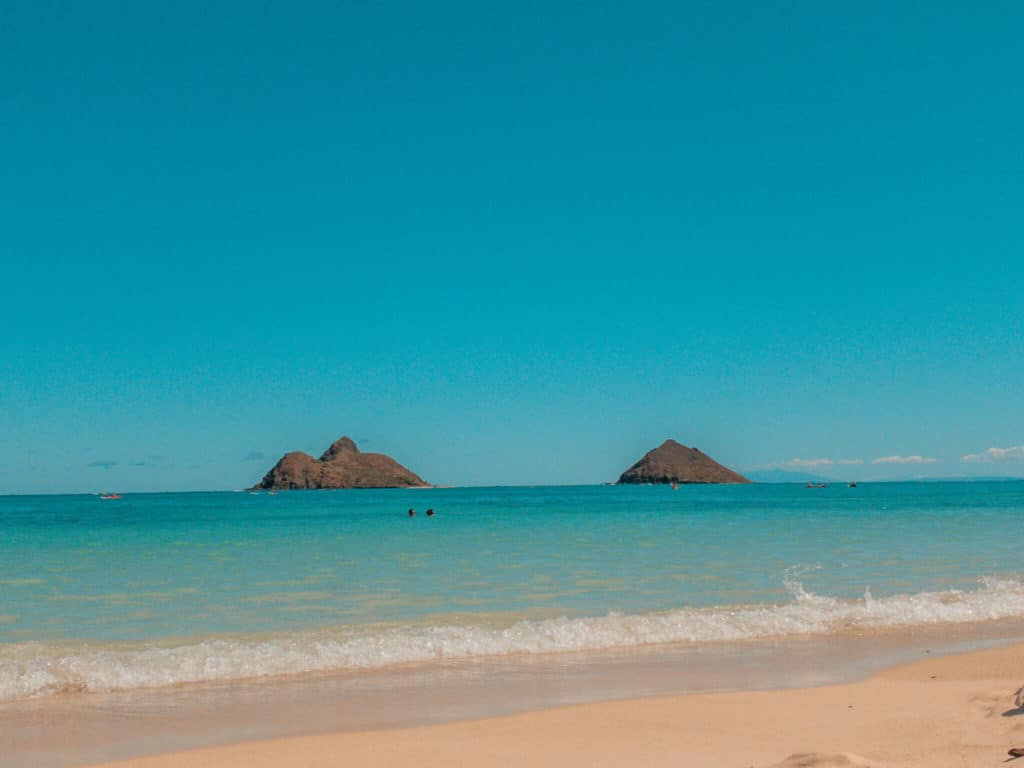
column 672, row 462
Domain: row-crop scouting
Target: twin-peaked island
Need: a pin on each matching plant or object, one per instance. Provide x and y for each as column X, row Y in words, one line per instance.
column 343, row 465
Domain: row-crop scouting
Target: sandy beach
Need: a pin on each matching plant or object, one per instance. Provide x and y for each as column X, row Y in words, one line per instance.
column 947, row 711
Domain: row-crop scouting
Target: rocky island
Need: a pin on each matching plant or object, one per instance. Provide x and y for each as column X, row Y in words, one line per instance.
column 673, row 462
column 342, row 465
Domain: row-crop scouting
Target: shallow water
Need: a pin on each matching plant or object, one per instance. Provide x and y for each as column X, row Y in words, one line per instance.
column 156, row 590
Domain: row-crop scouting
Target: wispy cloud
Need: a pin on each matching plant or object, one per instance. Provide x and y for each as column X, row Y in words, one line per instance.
column 904, row 460
column 1016, row 453
column 103, row 464
column 253, row 456
column 812, row 463
column 804, row 463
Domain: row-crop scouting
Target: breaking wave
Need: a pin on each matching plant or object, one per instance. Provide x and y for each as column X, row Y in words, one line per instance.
column 36, row 669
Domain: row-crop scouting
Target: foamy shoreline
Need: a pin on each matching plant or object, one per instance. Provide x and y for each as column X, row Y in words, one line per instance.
column 948, row 711
column 34, row 670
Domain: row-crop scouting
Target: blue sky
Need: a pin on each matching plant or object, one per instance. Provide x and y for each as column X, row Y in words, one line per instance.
column 508, row 243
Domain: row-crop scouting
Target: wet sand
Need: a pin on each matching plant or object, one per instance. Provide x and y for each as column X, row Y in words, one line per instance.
column 948, row 711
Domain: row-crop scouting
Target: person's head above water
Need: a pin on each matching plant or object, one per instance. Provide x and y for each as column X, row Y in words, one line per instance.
column 412, row 513
column 430, row 513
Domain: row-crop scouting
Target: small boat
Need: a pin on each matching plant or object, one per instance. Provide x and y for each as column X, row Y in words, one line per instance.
column 110, row 496
column 852, row 484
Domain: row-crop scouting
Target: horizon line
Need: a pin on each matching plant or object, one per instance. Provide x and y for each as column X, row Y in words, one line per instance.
column 881, row 481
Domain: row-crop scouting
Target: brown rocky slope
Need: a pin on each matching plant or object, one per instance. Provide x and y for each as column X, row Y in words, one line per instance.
column 672, row 462
column 342, row 465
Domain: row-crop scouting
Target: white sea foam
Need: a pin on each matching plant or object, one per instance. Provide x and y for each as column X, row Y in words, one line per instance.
column 31, row 669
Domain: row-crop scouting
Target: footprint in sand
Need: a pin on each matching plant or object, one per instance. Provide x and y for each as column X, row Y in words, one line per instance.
column 825, row 760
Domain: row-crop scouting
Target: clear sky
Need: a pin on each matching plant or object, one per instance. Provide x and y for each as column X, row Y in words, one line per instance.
column 508, row 242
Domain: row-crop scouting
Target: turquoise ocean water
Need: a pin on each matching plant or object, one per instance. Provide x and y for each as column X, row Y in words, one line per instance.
column 162, row 589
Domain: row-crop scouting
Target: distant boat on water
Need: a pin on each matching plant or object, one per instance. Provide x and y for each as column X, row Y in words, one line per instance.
column 817, row 485
column 110, row 496
column 852, row 484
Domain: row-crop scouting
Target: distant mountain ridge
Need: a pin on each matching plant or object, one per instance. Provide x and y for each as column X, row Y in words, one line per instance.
column 785, row 476
column 342, row 465
column 673, row 462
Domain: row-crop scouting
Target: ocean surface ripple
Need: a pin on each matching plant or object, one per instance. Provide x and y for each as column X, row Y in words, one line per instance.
column 155, row 590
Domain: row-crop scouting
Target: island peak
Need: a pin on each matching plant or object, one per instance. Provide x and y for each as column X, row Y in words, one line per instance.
column 341, row 447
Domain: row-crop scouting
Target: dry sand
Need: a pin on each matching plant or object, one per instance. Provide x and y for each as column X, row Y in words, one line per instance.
column 948, row 711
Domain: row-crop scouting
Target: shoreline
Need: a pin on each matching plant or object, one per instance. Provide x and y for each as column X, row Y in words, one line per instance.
column 952, row 710
column 246, row 620
column 41, row 669
column 77, row 729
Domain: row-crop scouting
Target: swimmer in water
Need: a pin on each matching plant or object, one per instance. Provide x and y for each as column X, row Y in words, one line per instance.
column 412, row 513
column 430, row 513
